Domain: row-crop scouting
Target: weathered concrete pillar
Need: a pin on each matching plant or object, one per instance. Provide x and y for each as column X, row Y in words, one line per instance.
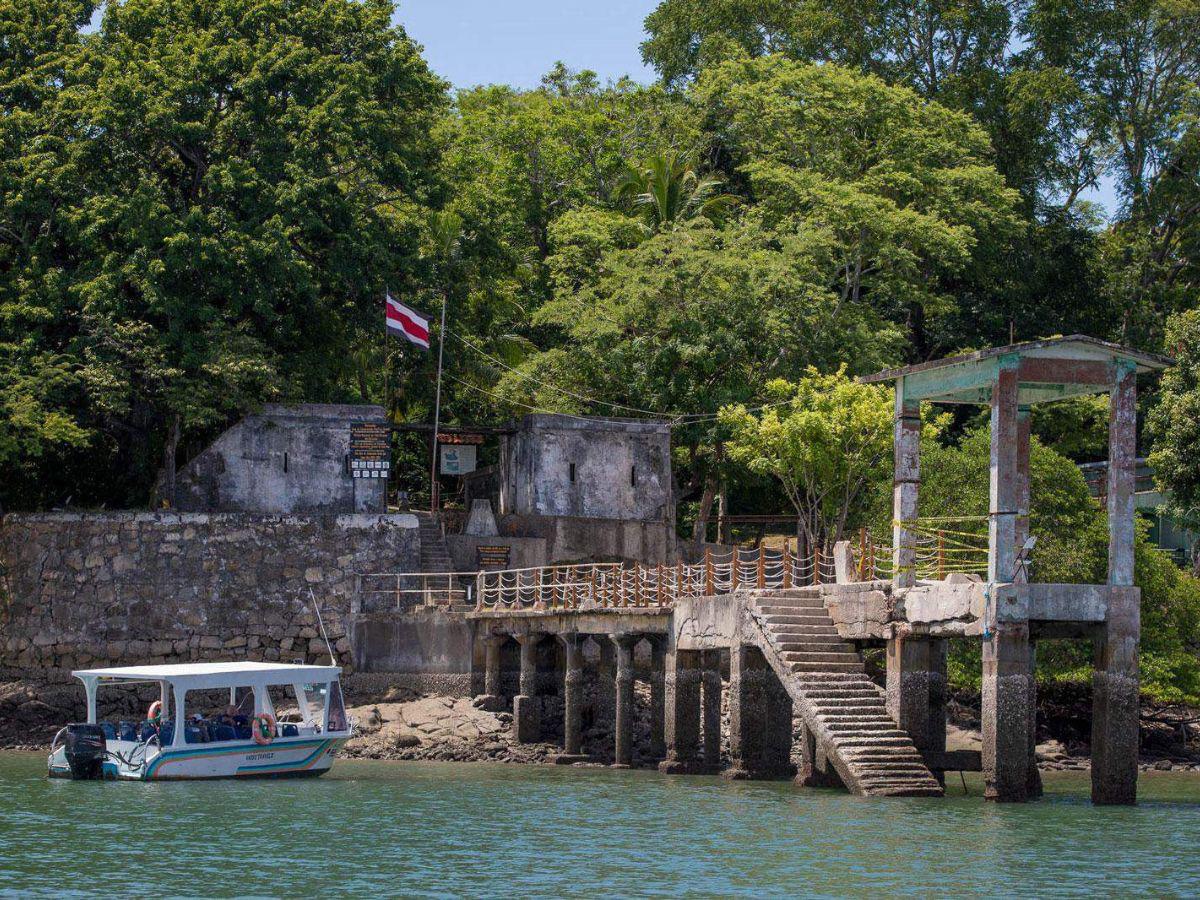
column 1021, row 523
column 623, row 725
column 711, row 680
column 572, row 697
column 682, row 711
column 1122, row 471
column 908, row 687
column 491, row 673
column 1006, row 692
column 1115, row 707
column 1033, row 777
column 527, row 725
column 777, row 740
column 907, row 445
column 747, row 714
column 658, row 746
column 1002, row 516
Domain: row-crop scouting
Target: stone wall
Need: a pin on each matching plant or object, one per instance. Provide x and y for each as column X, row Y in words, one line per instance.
column 84, row 589
column 285, row 459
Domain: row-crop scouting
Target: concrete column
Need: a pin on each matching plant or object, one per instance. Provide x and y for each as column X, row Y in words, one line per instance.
column 527, row 726
column 777, row 741
column 572, row 697
column 1033, row 777
column 1115, row 688
column 682, row 711
column 1006, row 692
column 746, row 714
column 1021, row 523
column 658, row 746
column 908, row 687
column 1122, row 470
column 623, row 726
column 907, row 444
column 491, row 666
column 711, row 680
column 1003, row 473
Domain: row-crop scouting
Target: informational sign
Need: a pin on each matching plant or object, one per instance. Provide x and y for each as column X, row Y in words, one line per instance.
column 458, row 459
column 370, row 450
column 492, row 556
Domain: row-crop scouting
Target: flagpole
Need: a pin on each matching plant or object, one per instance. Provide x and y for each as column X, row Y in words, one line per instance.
column 437, row 413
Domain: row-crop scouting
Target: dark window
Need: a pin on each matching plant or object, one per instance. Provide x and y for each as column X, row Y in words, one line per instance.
column 572, row 473
column 285, row 461
column 633, row 476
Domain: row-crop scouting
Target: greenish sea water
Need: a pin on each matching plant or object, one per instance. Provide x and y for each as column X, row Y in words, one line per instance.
column 482, row 830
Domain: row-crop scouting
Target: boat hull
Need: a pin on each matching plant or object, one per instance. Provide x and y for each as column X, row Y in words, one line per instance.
column 282, row 758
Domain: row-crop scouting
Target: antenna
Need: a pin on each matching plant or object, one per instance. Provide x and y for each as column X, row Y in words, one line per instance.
column 321, row 623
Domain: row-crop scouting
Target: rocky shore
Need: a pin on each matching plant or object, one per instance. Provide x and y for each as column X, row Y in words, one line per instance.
column 398, row 724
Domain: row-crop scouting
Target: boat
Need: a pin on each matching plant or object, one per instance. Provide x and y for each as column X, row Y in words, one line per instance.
column 180, row 739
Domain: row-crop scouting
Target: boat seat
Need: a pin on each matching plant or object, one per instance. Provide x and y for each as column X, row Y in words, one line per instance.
column 110, row 731
column 224, row 733
column 289, row 730
column 127, row 731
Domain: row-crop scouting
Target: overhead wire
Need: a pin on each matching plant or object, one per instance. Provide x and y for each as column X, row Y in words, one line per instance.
column 677, row 419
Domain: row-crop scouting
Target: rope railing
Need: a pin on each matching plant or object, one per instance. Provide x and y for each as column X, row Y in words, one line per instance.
column 940, row 546
column 611, row 585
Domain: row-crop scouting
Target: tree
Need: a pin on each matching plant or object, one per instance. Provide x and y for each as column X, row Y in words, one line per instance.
column 1174, row 422
column 669, row 191
column 231, row 184
column 828, row 439
column 898, row 194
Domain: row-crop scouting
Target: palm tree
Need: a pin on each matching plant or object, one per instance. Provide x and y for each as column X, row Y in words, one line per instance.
column 670, row 191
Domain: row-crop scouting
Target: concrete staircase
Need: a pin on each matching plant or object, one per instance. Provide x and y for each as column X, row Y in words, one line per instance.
column 435, row 557
column 840, row 705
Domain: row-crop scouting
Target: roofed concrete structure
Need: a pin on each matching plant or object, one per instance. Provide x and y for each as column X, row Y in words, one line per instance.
column 1010, row 380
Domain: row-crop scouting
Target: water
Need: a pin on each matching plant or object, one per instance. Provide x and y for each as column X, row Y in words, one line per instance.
column 425, row 829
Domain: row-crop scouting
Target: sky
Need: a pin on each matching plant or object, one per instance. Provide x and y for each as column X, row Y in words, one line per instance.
column 472, row 42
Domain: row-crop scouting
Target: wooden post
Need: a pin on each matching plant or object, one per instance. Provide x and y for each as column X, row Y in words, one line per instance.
column 941, row 555
column 762, row 571
column 708, row 572
column 816, row 576
column 678, row 580
column 734, row 565
column 659, row 586
column 862, row 555
column 787, row 563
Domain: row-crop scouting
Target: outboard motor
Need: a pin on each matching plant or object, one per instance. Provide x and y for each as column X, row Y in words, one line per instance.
column 84, row 746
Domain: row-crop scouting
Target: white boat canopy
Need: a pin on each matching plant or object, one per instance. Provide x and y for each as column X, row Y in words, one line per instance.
column 198, row 676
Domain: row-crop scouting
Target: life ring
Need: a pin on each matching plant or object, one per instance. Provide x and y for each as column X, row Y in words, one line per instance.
column 155, row 711
column 262, row 728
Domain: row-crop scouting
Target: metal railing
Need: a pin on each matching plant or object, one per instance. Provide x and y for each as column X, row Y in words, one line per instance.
column 407, row 590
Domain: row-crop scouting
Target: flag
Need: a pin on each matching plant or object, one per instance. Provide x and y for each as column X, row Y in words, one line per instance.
column 406, row 322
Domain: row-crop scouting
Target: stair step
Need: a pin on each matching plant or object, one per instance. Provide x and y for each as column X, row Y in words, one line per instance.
column 779, row 631
column 825, row 667
column 794, row 646
column 859, row 740
column 812, row 656
column 797, row 619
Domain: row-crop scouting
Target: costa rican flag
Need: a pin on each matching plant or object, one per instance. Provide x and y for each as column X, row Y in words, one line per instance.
column 406, row 322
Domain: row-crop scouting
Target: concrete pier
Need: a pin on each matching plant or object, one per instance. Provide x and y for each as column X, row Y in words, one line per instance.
column 711, row 682
column 623, row 726
column 682, row 712
column 658, row 745
column 1006, row 714
column 747, row 716
column 527, row 724
column 572, row 697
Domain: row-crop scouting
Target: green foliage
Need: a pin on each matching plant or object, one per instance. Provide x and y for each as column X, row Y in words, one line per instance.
column 894, row 194
column 198, row 214
column 669, row 191
column 1072, row 547
column 1174, row 422
column 827, row 439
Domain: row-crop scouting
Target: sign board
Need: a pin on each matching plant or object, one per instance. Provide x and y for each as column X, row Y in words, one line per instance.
column 460, row 438
column 458, row 459
column 370, row 450
column 492, row 556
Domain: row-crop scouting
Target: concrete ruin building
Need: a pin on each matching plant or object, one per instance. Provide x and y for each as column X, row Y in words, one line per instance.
column 283, row 459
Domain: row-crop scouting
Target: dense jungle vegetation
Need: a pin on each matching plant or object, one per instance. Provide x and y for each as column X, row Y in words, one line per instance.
column 202, row 202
